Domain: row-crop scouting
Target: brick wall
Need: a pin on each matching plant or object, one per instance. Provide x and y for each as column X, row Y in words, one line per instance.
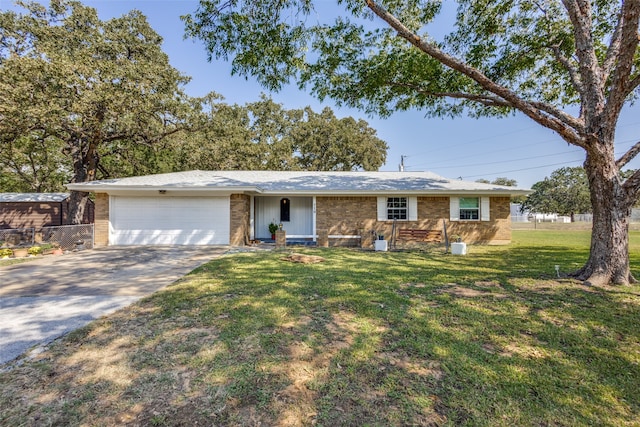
column 495, row 231
column 356, row 215
column 101, row 218
column 345, row 216
column 240, row 221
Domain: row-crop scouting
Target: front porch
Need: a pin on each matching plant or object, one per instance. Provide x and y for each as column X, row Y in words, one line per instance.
column 295, row 214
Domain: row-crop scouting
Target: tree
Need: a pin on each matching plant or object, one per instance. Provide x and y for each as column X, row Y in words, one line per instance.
column 507, row 182
column 501, row 57
column 500, row 181
column 263, row 135
column 565, row 192
column 324, row 142
column 90, row 89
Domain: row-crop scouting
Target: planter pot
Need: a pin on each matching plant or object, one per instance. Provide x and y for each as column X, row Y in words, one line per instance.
column 381, row 245
column 56, row 252
column 458, row 248
column 19, row 253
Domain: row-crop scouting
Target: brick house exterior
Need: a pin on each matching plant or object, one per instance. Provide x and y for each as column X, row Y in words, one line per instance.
column 247, row 201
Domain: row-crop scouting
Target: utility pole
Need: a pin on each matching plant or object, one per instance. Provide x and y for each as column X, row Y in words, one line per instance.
column 401, row 165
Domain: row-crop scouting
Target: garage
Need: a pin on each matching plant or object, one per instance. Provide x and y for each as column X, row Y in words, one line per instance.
column 169, row 220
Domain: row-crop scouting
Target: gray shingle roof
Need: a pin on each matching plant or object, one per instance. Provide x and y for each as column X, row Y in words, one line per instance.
column 297, row 182
column 33, row 197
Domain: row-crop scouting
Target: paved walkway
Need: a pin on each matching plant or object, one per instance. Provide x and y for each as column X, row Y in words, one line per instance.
column 43, row 299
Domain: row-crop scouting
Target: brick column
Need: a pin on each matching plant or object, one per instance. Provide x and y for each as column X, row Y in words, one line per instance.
column 101, row 220
column 239, row 226
column 281, row 239
column 323, row 238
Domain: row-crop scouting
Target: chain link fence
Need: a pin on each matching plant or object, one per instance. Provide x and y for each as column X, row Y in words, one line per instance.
column 17, row 237
column 68, row 237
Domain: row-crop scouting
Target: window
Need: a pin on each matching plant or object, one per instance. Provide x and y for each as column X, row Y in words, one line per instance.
column 469, row 208
column 285, row 210
column 397, row 208
column 403, row 208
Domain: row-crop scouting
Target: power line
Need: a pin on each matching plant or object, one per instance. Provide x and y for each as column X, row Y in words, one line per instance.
column 523, row 169
column 473, row 141
column 507, row 161
column 628, row 142
column 500, row 150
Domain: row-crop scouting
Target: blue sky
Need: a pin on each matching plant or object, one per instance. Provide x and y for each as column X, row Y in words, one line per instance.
column 463, row 147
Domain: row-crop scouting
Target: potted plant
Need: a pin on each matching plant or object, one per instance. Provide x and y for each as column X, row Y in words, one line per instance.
column 52, row 248
column 6, row 253
column 20, row 252
column 34, row 250
column 273, row 227
column 57, row 250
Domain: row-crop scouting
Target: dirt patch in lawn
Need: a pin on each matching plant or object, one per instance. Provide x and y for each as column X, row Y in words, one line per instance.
column 467, row 292
column 304, row 259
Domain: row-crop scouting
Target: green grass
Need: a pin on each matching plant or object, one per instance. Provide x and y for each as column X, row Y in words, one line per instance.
column 400, row 338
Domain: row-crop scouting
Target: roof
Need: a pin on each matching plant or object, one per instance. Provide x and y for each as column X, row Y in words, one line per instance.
column 33, row 197
column 286, row 182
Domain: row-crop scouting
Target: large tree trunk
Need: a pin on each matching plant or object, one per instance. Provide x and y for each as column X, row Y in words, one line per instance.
column 78, row 202
column 609, row 257
column 84, row 169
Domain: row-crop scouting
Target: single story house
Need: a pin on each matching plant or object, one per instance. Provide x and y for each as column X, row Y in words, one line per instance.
column 37, row 210
column 236, row 207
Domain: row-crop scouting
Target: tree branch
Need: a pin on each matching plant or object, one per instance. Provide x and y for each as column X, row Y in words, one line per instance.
column 628, row 156
column 612, row 50
column 570, row 134
column 633, row 84
column 619, row 89
column 593, row 91
column 490, row 101
column 568, row 119
column 574, row 75
column 632, row 186
column 495, row 101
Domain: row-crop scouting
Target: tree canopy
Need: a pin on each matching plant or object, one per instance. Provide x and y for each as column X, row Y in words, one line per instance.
column 92, row 89
column 502, row 180
column 534, row 57
column 263, row 135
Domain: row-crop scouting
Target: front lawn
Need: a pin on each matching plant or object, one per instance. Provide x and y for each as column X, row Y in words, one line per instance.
column 493, row 338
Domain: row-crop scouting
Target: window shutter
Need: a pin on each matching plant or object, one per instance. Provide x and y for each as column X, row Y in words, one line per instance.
column 485, row 209
column 382, row 208
column 413, row 208
column 454, row 208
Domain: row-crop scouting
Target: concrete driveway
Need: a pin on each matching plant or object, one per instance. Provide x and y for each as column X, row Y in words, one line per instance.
column 41, row 300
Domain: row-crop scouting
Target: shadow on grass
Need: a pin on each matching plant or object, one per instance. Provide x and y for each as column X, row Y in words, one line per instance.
column 410, row 338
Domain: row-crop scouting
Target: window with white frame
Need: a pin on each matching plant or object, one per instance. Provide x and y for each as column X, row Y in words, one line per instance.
column 469, row 208
column 401, row 208
column 397, row 208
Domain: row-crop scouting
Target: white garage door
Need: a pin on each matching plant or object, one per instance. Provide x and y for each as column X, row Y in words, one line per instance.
column 169, row 220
